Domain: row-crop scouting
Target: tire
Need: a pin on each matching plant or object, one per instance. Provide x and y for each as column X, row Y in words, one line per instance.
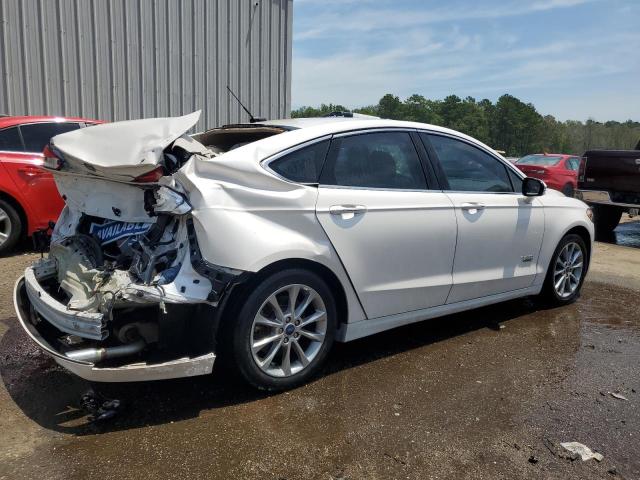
column 10, row 227
column 568, row 190
column 290, row 333
column 564, row 264
column 606, row 218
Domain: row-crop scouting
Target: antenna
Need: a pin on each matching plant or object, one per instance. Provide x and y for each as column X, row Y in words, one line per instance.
column 252, row 119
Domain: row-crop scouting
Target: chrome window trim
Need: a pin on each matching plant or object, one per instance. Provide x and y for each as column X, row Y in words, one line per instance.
column 377, row 189
column 267, row 161
column 21, row 153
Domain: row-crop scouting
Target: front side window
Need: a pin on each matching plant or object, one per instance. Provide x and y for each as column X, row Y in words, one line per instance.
column 36, row 136
column 303, row 165
column 469, row 169
column 10, row 140
column 375, row 160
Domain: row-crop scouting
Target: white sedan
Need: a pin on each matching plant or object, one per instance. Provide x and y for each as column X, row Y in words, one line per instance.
column 263, row 243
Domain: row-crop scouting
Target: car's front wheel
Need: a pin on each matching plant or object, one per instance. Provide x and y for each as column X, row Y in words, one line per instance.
column 284, row 330
column 566, row 271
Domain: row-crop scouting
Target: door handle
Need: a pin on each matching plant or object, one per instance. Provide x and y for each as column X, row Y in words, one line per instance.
column 345, row 210
column 472, row 207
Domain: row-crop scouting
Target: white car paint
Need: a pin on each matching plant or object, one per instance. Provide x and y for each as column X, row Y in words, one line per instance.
column 495, row 232
column 399, row 257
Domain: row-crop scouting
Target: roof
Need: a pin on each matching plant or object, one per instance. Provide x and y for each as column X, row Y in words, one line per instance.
column 10, row 121
column 295, row 123
column 302, row 130
column 552, row 155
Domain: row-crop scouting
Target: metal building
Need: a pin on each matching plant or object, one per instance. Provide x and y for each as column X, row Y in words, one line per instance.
column 125, row 59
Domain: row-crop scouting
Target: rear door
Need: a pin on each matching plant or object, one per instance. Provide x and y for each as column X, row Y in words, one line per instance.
column 499, row 229
column 395, row 236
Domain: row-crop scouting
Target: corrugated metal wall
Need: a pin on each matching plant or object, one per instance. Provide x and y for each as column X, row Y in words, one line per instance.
column 123, row 59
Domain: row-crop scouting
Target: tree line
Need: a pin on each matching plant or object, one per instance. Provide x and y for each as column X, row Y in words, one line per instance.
column 508, row 124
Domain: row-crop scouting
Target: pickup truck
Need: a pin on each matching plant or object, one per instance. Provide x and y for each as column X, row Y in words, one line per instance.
column 609, row 181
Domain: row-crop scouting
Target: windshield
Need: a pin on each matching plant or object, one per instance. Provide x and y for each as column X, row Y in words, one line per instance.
column 539, row 160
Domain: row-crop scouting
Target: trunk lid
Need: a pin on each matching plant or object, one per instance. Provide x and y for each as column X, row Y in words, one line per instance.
column 122, row 150
column 535, row 171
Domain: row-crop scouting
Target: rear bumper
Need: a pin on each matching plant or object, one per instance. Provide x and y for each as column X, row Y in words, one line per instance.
column 85, row 324
column 24, row 291
column 601, row 197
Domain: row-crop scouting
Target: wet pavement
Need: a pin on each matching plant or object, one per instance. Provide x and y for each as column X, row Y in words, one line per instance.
column 627, row 234
column 486, row 394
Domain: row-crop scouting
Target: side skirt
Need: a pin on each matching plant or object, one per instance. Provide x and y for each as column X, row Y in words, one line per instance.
column 364, row 328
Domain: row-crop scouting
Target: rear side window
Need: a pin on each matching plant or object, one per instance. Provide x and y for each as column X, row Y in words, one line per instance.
column 375, row 160
column 10, row 140
column 469, row 169
column 37, row 135
column 573, row 164
column 303, row 165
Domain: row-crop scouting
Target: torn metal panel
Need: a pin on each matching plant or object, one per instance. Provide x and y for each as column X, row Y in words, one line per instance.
column 121, row 150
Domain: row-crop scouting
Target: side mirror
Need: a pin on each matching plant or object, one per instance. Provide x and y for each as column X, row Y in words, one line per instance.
column 532, row 187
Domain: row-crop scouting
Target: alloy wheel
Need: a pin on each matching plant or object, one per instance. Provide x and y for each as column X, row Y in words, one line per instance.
column 568, row 270
column 5, row 226
column 289, row 330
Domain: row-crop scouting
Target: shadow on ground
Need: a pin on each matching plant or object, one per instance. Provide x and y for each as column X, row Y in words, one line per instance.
column 50, row 396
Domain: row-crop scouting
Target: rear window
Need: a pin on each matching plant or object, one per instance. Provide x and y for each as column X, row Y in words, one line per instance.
column 303, row 165
column 37, row 135
column 10, row 140
column 543, row 160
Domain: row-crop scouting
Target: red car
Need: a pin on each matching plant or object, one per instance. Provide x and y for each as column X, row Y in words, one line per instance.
column 558, row 170
column 29, row 198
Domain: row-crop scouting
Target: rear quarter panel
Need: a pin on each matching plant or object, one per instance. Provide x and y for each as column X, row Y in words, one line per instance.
column 247, row 219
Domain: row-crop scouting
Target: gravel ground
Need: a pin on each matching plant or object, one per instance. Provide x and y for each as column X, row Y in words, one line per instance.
column 483, row 395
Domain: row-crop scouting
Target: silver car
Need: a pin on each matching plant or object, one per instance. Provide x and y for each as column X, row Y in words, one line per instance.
column 263, row 243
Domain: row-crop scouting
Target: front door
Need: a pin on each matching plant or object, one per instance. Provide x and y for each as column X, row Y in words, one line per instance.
column 395, row 237
column 499, row 230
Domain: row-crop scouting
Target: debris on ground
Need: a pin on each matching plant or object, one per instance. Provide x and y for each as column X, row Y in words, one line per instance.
column 585, row 452
column 533, row 459
column 618, row 396
column 99, row 407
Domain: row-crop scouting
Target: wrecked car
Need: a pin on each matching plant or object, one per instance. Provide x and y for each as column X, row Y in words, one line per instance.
column 264, row 243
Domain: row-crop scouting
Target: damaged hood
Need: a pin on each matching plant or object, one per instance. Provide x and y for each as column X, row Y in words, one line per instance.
column 124, row 150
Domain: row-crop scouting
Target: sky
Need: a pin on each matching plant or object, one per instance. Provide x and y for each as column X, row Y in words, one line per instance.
column 573, row 59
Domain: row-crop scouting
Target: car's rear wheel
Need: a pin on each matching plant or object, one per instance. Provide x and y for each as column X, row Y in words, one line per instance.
column 10, row 227
column 566, row 272
column 606, row 218
column 284, row 330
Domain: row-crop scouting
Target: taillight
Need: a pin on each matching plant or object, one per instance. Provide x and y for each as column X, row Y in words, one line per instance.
column 52, row 160
column 582, row 169
column 151, row 177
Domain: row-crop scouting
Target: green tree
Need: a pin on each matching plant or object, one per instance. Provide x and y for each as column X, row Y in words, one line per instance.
column 509, row 124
